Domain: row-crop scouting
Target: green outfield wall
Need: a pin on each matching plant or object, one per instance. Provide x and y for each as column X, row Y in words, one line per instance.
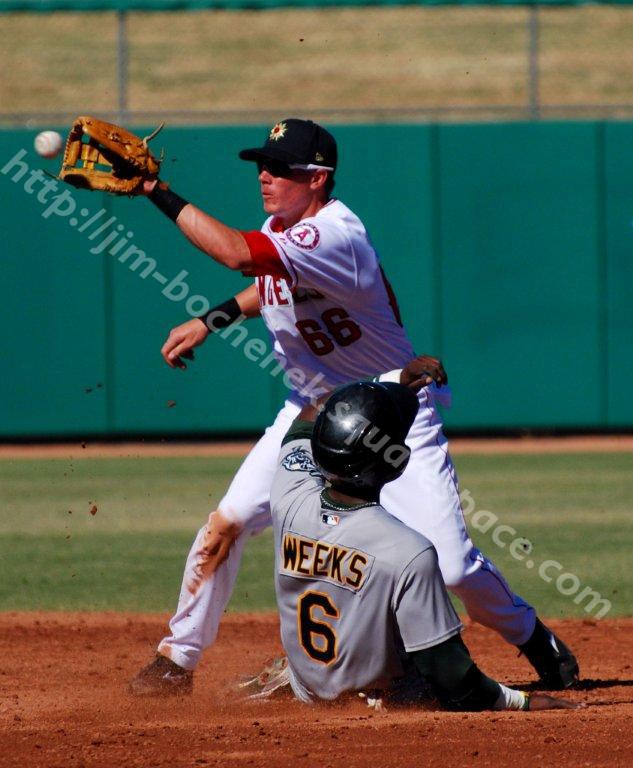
column 509, row 246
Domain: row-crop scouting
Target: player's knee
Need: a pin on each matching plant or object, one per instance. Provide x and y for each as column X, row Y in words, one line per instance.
column 198, row 542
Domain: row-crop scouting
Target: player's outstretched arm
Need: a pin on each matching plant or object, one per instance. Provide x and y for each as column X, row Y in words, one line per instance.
column 224, row 244
column 183, row 339
column 417, row 373
column 460, row 685
column 248, row 300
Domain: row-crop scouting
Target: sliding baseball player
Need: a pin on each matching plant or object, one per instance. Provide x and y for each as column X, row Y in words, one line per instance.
column 362, row 602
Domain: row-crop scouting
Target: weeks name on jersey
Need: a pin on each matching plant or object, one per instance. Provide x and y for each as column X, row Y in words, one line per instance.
column 312, row 559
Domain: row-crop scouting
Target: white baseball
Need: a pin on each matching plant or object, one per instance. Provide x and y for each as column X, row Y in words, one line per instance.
column 48, row 143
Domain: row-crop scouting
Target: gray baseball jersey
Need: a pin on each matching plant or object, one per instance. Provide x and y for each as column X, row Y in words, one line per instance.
column 355, row 587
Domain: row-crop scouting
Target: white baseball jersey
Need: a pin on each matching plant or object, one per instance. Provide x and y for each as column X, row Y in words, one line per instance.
column 334, row 318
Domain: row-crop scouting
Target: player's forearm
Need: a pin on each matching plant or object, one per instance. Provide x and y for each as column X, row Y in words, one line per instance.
column 310, row 411
column 224, row 244
column 459, row 684
column 248, row 301
column 244, row 305
column 418, row 373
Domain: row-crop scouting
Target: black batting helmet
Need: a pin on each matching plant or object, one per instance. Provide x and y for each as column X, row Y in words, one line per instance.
column 358, row 438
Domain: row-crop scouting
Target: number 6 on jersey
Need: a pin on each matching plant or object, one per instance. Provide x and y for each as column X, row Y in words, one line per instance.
column 318, row 639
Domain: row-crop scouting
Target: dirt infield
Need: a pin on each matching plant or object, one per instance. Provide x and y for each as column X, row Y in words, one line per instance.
column 63, row 704
column 459, row 445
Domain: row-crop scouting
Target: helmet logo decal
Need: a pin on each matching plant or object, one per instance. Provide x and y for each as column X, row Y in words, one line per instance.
column 278, row 131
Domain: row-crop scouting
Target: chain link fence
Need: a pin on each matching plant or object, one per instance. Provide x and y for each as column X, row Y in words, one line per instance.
column 378, row 64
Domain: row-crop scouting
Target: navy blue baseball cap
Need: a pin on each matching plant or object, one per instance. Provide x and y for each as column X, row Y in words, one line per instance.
column 299, row 143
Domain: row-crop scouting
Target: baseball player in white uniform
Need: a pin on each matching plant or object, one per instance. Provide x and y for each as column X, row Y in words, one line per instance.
column 332, row 316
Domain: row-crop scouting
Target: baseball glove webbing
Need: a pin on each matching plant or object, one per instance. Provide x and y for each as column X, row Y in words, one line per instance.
column 111, row 160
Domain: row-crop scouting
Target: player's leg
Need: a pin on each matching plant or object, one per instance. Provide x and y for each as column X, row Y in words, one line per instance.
column 205, row 591
column 426, row 498
column 202, row 601
column 201, row 604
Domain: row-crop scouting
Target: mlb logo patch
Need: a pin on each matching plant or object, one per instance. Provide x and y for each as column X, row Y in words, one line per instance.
column 330, row 519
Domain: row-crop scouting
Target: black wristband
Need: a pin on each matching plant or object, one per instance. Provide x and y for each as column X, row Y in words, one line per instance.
column 167, row 201
column 222, row 315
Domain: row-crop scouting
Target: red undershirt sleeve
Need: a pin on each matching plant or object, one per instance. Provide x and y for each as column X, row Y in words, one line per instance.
column 266, row 259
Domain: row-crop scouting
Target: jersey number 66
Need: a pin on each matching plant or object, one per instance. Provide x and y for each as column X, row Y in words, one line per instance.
column 342, row 330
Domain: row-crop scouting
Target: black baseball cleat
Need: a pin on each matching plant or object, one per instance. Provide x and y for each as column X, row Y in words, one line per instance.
column 551, row 658
column 162, row 677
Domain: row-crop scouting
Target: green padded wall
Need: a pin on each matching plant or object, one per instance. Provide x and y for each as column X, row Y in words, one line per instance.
column 222, row 390
column 54, row 377
column 520, row 274
column 508, row 246
column 618, row 273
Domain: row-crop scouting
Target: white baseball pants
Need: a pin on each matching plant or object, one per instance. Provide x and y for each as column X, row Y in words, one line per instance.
column 425, row 497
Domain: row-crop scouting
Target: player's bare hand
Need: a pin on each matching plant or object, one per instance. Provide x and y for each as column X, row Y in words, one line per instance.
column 541, row 701
column 216, row 544
column 422, row 371
column 181, row 342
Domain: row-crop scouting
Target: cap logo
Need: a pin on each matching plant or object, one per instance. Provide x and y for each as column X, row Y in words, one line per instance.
column 319, row 157
column 278, row 131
